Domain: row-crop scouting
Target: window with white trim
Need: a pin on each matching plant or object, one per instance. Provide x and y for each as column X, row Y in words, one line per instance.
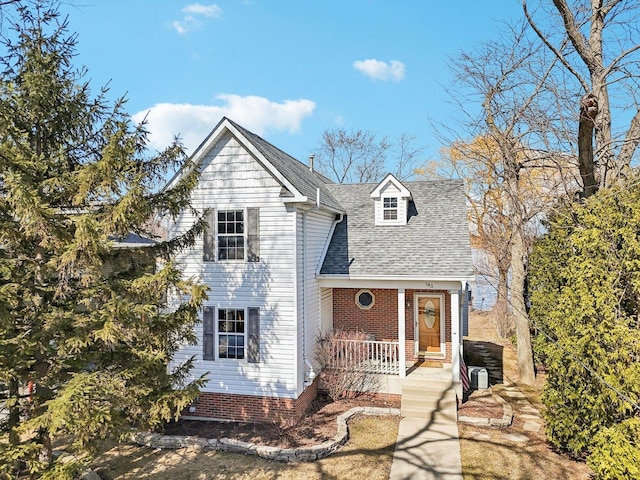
column 235, row 334
column 231, row 331
column 232, row 235
column 390, row 208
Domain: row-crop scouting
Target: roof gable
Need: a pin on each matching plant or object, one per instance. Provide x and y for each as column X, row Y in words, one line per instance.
column 385, row 184
column 301, row 184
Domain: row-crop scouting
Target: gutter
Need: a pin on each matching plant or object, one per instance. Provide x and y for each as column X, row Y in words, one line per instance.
column 309, row 374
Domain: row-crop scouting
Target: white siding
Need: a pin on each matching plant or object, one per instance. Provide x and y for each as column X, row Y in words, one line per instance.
column 233, row 179
column 318, row 226
column 390, row 190
column 326, row 310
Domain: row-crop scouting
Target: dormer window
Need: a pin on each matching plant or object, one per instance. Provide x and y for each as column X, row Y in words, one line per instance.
column 390, row 208
column 391, row 199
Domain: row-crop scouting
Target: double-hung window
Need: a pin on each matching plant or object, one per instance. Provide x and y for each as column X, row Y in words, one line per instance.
column 231, row 329
column 232, row 235
column 234, row 334
column 390, row 208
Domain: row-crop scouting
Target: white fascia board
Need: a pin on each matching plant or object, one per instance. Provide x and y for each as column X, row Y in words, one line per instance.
column 431, row 283
column 304, row 203
column 404, row 191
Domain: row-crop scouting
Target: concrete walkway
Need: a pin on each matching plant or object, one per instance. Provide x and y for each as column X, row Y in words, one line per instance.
column 428, row 446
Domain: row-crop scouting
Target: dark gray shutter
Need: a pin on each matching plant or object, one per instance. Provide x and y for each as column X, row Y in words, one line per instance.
column 253, row 331
column 466, row 293
column 253, row 234
column 209, row 241
column 208, row 334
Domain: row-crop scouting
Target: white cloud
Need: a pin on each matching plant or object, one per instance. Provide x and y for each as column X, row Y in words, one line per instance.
column 191, row 21
column 212, row 10
column 379, row 70
column 194, row 122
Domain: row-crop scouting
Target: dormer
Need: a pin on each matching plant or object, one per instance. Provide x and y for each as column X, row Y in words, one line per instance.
column 391, row 199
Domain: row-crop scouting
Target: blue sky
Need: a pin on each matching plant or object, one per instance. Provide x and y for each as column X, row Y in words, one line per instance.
column 285, row 69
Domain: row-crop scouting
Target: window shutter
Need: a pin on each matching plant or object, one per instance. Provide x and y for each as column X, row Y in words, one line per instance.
column 208, row 334
column 253, row 234
column 253, row 330
column 209, row 241
column 466, row 295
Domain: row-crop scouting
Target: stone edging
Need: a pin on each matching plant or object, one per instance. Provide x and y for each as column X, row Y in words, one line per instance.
column 305, row 454
column 505, row 421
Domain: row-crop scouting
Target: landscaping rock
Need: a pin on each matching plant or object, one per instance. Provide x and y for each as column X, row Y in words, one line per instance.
column 308, row 453
column 515, row 437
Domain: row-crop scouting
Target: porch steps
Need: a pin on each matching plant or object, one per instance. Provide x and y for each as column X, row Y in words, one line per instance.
column 429, row 393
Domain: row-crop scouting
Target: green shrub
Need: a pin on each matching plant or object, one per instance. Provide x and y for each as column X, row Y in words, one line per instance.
column 585, row 294
column 616, row 451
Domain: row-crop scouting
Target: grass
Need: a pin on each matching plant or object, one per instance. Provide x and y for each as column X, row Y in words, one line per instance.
column 491, row 457
column 368, row 455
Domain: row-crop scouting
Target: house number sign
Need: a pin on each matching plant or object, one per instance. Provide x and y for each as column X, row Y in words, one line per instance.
column 429, row 284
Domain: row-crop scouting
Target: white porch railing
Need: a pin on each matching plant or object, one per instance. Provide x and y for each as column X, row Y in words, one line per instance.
column 367, row 356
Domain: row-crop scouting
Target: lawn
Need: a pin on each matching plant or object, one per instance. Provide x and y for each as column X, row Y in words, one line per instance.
column 367, row 455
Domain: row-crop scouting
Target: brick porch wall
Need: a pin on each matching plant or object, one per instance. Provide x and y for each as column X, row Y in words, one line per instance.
column 249, row 408
column 381, row 320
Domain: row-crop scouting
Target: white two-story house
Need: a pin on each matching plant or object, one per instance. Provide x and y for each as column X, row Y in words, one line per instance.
column 288, row 256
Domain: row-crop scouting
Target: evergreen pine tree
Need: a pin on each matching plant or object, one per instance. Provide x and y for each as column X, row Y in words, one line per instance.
column 585, row 293
column 85, row 333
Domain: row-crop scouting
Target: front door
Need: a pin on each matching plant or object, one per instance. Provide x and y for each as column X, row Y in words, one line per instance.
column 429, row 316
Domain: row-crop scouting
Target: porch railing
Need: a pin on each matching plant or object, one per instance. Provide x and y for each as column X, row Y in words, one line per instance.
column 368, row 356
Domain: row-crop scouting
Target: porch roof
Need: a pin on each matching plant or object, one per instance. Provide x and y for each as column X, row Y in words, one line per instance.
column 433, row 244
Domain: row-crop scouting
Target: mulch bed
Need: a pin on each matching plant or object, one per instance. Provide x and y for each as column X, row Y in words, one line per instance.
column 481, row 404
column 317, row 425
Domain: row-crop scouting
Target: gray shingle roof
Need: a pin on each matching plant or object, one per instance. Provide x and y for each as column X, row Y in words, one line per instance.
column 296, row 172
column 434, row 243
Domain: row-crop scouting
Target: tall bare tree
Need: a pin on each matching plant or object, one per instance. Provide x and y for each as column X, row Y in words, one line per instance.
column 597, row 45
column 509, row 159
column 359, row 156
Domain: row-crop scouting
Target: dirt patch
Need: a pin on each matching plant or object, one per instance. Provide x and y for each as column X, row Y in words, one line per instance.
column 318, row 424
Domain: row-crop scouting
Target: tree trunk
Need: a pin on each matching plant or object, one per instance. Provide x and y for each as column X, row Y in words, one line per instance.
column 14, row 410
column 526, row 371
column 500, row 311
column 588, row 113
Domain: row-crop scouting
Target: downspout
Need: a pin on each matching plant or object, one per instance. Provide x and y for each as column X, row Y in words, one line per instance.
column 309, row 373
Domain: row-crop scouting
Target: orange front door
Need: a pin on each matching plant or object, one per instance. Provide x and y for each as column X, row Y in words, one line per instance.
column 429, row 324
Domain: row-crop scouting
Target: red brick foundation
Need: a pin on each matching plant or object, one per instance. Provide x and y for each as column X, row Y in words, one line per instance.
column 250, row 408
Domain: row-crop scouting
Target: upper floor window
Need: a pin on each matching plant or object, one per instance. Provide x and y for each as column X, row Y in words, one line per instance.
column 232, row 234
column 390, row 208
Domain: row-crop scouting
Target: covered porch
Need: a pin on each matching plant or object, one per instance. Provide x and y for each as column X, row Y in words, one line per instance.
column 405, row 322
